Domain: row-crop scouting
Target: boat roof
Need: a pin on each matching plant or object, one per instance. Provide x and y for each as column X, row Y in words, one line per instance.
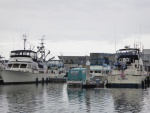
column 77, row 69
column 22, row 51
column 135, row 49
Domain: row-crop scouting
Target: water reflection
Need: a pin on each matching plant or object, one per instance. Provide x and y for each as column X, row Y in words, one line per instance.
column 90, row 100
column 54, row 98
column 31, row 98
column 127, row 100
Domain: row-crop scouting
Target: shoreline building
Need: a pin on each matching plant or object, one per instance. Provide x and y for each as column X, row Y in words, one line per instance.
column 96, row 57
column 74, row 61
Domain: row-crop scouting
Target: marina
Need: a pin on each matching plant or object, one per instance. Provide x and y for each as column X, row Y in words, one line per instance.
column 75, row 56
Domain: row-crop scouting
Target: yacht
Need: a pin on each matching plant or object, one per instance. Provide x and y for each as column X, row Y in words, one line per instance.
column 99, row 69
column 24, row 66
column 128, row 69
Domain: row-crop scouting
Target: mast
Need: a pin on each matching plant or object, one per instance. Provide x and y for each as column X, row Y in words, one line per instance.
column 25, row 39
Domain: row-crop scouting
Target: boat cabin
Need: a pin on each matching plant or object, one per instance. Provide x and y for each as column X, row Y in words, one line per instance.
column 24, row 53
column 77, row 74
column 128, row 55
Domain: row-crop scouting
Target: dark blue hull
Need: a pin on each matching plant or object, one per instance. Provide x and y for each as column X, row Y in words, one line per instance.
column 124, row 85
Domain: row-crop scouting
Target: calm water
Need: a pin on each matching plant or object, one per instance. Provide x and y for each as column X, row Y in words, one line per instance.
column 58, row 98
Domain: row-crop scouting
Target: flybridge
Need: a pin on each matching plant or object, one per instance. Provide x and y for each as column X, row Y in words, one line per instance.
column 23, row 53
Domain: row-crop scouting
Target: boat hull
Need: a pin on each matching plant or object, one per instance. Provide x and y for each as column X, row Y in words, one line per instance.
column 10, row 77
column 129, row 81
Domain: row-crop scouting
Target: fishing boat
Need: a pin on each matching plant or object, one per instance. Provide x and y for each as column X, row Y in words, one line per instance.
column 24, row 66
column 128, row 69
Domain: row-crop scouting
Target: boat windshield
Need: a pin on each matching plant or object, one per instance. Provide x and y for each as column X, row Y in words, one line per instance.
column 100, row 61
column 23, row 65
column 16, row 65
column 9, row 65
column 128, row 52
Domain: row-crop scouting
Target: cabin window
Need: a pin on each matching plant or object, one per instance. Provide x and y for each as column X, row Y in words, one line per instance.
column 107, row 72
column 103, row 72
column 32, row 55
column 12, row 54
column 23, row 66
column 18, row 53
column 91, row 71
column 24, row 53
column 9, row 65
column 15, row 65
column 83, row 72
column 34, row 67
column 141, row 68
column 75, row 73
column 95, row 71
column 29, row 66
column 99, row 71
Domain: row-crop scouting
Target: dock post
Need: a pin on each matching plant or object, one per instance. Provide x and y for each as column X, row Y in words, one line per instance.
column 148, row 81
column 42, row 80
column 143, row 85
column 87, row 72
column 36, row 81
column 46, row 80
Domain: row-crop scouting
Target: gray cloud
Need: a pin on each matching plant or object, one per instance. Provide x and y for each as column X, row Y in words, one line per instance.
column 61, row 20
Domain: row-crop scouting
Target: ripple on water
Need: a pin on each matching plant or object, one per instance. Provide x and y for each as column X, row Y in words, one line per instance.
column 54, row 98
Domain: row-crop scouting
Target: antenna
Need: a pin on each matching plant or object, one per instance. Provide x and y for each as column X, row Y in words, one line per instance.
column 25, row 39
column 115, row 36
column 140, row 36
column 13, row 43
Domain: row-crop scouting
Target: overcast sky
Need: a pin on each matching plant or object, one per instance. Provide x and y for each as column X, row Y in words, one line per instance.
column 74, row 27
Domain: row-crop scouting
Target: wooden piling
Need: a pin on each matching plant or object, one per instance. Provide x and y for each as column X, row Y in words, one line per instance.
column 143, row 85
column 37, row 81
column 42, row 80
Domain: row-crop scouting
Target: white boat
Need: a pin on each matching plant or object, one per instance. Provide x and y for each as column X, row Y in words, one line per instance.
column 128, row 69
column 24, row 66
column 56, row 69
column 99, row 69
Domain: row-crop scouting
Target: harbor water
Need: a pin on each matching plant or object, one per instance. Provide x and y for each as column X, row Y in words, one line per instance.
column 58, row 98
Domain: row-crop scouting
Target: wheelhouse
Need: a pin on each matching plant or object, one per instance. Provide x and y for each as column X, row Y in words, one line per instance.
column 130, row 54
column 99, row 61
column 24, row 53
